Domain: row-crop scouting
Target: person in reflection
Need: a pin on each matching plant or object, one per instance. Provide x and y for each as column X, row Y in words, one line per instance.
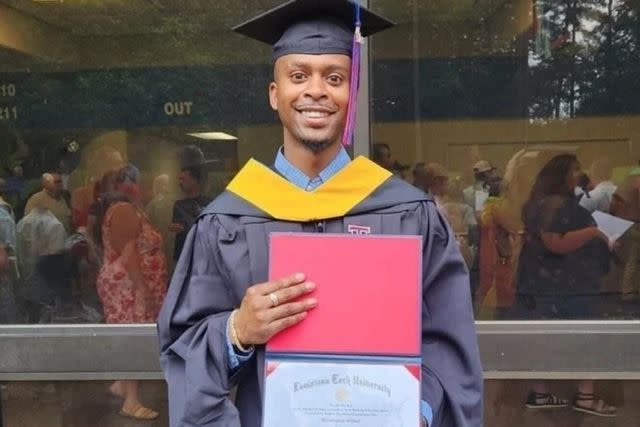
column 381, row 155
column 483, row 172
column 584, row 187
column 15, row 191
column 8, row 267
column 401, row 171
column 498, row 252
column 221, row 308
column 599, row 199
column 41, row 239
column 563, row 261
column 52, row 199
column 8, row 308
column 187, row 210
column 626, row 282
column 432, row 178
column 159, row 211
column 104, row 159
column 132, row 281
column 462, row 220
column 7, row 222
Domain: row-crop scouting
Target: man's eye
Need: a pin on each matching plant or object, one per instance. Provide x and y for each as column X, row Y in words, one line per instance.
column 335, row 79
column 298, row 76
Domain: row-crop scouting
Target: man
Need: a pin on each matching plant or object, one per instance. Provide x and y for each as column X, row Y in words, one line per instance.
column 400, row 170
column 187, row 210
column 8, row 276
column 221, row 310
column 432, row 178
column 381, row 155
column 15, row 185
column 159, row 210
column 41, row 239
column 52, row 200
column 483, row 171
column 7, row 221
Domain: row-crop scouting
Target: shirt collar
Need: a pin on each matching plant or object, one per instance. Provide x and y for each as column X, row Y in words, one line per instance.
column 299, row 179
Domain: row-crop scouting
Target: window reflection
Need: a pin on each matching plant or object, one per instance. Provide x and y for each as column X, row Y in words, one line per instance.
column 486, row 98
column 469, row 102
column 118, row 124
column 62, row 217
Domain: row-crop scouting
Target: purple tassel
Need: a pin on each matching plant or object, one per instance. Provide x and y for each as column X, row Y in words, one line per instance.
column 347, row 136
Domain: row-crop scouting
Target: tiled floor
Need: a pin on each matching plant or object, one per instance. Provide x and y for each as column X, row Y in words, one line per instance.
column 87, row 404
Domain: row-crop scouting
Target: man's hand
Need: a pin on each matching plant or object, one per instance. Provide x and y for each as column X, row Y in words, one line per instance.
column 176, row 227
column 268, row 308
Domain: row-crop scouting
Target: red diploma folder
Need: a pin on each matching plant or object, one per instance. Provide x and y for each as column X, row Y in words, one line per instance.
column 368, row 292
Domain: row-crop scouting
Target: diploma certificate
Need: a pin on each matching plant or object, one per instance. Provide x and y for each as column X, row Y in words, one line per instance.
column 330, row 394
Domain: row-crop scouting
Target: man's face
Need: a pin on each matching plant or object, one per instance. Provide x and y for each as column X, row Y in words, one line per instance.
column 311, row 95
column 385, row 158
column 54, row 185
column 186, row 182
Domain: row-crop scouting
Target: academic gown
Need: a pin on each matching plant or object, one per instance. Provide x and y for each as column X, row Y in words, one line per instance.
column 227, row 251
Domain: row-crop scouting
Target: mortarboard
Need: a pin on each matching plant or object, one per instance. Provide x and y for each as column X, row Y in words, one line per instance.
column 312, row 26
column 318, row 27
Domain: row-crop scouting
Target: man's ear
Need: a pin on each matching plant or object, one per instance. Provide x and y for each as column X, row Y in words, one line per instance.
column 273, row 95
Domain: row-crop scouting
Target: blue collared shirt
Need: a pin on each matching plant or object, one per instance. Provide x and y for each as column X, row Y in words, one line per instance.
column 299, row 179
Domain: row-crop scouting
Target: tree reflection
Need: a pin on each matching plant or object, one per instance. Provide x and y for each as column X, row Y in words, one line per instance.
column 583, row 58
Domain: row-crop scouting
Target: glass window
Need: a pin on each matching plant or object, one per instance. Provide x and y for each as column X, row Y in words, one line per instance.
column 520, row 118
column 119, row 121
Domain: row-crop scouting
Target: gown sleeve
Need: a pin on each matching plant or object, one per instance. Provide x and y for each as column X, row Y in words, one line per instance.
column 192, row 332
column 451, row 371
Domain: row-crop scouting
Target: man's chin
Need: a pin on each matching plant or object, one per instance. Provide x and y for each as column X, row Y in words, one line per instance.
column 316, row 146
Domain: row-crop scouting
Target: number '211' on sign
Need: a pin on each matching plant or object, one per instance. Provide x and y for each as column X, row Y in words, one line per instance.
column 8, row 113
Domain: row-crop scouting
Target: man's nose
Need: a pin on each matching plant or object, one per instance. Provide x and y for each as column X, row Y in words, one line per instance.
column 316, row 87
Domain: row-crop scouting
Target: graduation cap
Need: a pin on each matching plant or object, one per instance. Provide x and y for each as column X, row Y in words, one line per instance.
column 318, row 27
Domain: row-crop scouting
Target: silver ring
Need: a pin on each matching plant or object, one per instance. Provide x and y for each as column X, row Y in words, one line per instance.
column 274, row 299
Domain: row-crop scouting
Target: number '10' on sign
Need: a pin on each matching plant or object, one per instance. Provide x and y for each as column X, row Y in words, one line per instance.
column 8, row 90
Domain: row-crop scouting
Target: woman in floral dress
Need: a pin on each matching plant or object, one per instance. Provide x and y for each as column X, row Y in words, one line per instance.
column 133, row 279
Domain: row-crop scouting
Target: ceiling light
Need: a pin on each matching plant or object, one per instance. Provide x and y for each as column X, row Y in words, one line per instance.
column 214, row 136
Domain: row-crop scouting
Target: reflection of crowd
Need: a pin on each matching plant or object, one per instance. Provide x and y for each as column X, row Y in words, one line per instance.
column 97, row 253
column 534, row 248
column 529, row 238
column 60, row 248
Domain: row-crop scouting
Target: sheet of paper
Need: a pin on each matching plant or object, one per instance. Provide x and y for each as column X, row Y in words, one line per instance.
column 613, row 227
column 320, row 394
column 368, row 291
column 481, row 199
